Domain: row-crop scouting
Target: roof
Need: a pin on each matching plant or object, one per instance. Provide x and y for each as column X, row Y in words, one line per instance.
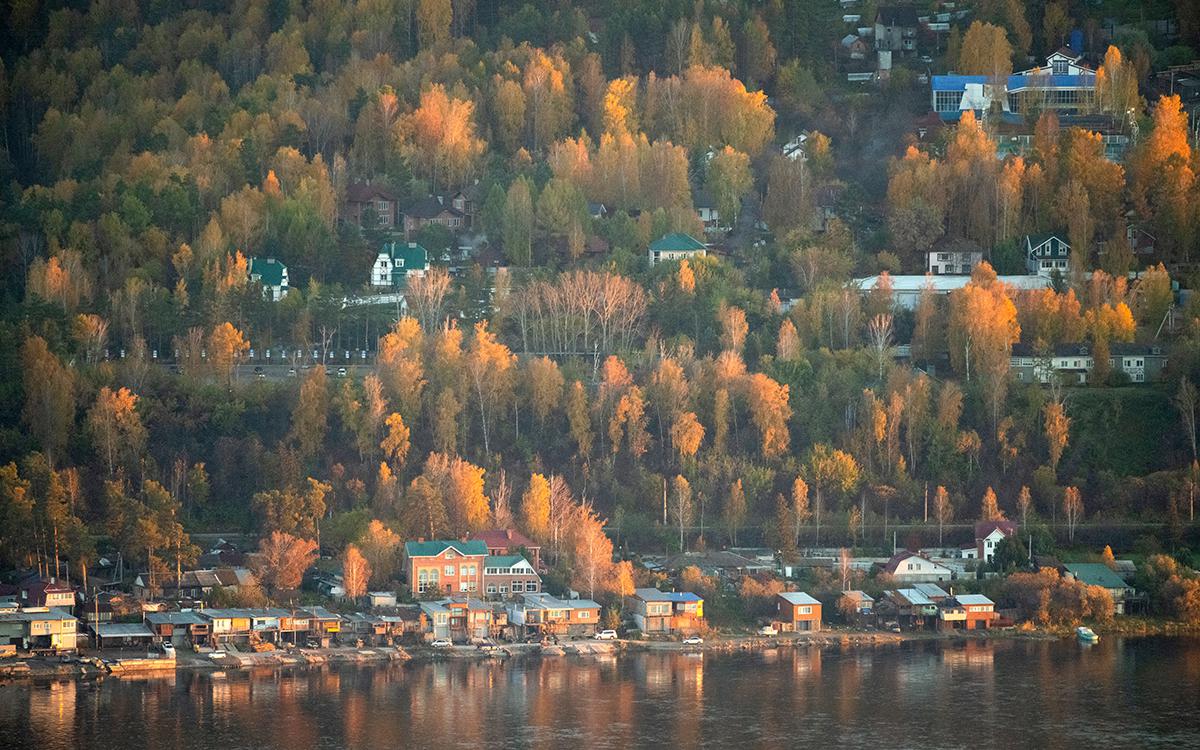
column 719, row 559
column 654, row 595
column 320, row 613
column 849, row 39
column 676, row 242
column 268, row 270
column 861, row 596
column 798, row 597
column 437, row 547
column 1096, row 574
column 973, row 600
column 931, row 590
column 406, row 254
column 946, row 284
column 1018, row 81
column 503, row 561
column 431, row 608
column 913, row 597
column 892, row 565
column 122, row 630
column 505, row 539
column 896, row 15
column 703, row 199
column 430, row 208
column 361, row 192
column 545, row 601
column 174, row 618
column 583, row 604
column 39, row 615
column 984, row 528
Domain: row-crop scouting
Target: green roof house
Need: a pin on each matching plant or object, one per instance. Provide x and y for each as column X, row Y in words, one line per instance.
column 675, row 246
column 272, row 274
column 396, row 262
column 1047, row 253
column 1099, row 574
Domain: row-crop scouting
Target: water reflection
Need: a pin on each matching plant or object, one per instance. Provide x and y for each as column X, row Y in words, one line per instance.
column 1013, row 694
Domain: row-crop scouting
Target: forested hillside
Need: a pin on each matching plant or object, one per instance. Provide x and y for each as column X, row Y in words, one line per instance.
column 543, row 369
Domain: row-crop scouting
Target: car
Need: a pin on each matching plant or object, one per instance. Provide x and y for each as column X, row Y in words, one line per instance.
column 291, row 372
column 312, row 643
column 767, row 630
column 926, row 59
column 694, row 640
column 328, row 370
column 606, row 635
column 168, row 649
column 341, row 372
column 441, row 643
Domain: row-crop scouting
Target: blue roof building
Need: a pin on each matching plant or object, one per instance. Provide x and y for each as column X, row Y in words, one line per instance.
column 1064, row 84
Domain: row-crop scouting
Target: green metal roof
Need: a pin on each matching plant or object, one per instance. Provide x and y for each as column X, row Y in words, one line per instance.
column 434, row 548
column 268, row 270
column 676, row 242
column 502, row 561
column 407, row 255
column 1096, row 574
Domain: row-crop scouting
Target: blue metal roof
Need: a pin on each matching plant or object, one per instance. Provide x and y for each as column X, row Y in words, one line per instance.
column 1017, row 82
column 955, row 83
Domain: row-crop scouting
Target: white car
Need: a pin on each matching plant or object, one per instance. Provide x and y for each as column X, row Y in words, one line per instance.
column 694, row 640
column 606, row 635
column 168, row 649
column 441, row 643
column 767, row 630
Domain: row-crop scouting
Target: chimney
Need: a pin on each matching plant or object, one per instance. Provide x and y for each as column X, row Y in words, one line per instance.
column 508, row 533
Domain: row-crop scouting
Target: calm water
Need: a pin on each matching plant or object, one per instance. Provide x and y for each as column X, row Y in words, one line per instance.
column 1132, row 693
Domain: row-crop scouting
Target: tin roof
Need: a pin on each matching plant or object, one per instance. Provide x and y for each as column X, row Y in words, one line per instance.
column 798, row 597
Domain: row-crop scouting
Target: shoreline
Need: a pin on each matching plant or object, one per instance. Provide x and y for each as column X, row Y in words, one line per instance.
column 97, row 665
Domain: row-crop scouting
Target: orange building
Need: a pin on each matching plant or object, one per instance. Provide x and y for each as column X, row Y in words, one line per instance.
column 798, row 612
column 445, row 567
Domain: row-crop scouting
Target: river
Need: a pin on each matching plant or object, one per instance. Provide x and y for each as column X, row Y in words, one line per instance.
column 1134, row 693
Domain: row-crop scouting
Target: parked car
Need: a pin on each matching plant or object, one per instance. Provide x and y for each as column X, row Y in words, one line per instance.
column 441, row 643
column 291, row 372
column 312, row 643
column 606, row 635
column 767, row 630
column 341, row 372
column 694, row 640
column 168, row 649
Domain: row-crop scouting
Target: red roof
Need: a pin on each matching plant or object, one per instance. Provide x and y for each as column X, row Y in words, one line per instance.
column 505, row 539
column 983, row 528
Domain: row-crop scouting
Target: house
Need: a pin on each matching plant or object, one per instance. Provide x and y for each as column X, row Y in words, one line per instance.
column 433, row 210
column 1141, row 242
column 397, row 262
column 192, row 584
column 463, row 201
column 855, row 46
column 178, row 627
column 510, row 542
column 377, row 599
column 798, row 612
column 955, row 257
column 543, row 614
column 445, row 566
column 121, row 634
column 363, row 198
column 709, row 213
column 657, row 611
column 989, row 534
column 863, row 603
column 1141, row 363
column 227, row 625
column 675, row 246
column 966, row 612
column 39, row 629
column 896, row 28
column 910, row 567
column 45, row 592
column 932, row 592
column 272, row 275
column 597, row 211
column 505, row 575
column 722, row 563
column 1063, row 84
column 794, row 150
column 369, row 628
column 907, row 289
column 910, row 607
column 1099, row 574
column 1046, row 254
column 224, row 554
column 437, row 618
column 322, row 624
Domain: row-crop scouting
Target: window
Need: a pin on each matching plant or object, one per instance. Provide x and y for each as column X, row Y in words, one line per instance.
column 584, row 614
column 1060, row 67
column 531, row 587
column 449, row 570
column 491, row 589
column 911, row 566
column 503, row 589
column 947, row 101
column 807, row 610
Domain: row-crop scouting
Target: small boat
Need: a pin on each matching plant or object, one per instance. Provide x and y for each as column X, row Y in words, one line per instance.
column 1086, row 634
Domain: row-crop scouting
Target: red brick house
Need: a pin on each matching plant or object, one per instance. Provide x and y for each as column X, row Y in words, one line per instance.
column 798, row 612
column 433, row 210
column 444, row 567
column 966, row 612
column 362, row 196
column 510, row 542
